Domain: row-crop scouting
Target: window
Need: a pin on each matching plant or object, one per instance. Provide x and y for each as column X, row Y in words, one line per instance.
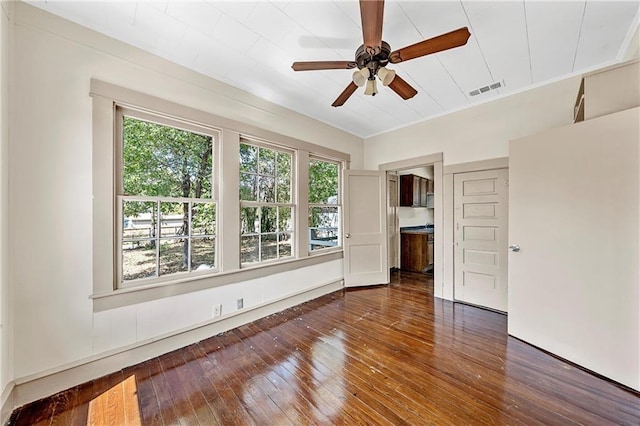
column 167, row 208
column 169, row 220
column 266, row 208
column 324, row 204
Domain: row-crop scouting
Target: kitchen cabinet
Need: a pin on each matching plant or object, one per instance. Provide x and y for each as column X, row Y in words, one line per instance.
column 416, row 251
column 415, row 191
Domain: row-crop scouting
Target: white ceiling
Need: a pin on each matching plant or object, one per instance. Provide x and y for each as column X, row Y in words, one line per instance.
column 251, row 45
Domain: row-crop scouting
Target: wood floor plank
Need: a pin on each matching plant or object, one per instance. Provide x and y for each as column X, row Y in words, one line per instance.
column 459, row 368
column 370, row 363
column 221, row 369
column 348, row 384
column 385, row 355
column 276, row 380
column 168, row 408
column 179, row 396
column 80, row 411
column 331, row 405
column 147, row 399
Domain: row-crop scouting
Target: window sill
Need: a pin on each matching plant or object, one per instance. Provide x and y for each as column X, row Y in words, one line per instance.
column 139, row 294
column 326, row 250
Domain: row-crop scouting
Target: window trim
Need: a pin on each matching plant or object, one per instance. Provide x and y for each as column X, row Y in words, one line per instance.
column 104, row 98
column 160, row 119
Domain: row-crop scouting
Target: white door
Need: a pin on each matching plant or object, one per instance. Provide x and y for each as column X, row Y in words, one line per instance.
column 393, row 244
column 481, row 225
column 574, row 213
column 365, row 228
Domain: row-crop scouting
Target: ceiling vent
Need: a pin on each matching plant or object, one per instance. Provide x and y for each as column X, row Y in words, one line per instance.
column 484, row 89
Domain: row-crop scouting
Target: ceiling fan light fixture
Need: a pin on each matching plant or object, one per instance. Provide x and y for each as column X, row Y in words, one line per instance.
column 386, row 75
column 361, row 76
column 372, row 87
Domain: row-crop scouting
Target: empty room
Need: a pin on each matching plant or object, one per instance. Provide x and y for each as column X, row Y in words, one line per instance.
column 319, row 212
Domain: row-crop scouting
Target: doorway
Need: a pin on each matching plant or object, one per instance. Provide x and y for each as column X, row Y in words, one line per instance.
column 426, row 168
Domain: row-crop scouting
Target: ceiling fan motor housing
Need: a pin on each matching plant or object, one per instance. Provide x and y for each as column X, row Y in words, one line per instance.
column 364, row 59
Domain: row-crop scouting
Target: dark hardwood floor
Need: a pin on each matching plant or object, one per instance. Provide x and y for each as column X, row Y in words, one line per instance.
column 382, row 355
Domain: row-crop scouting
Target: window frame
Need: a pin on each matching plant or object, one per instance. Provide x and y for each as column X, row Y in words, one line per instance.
column 104, row 99
column 310, row 205
column 120, row 112
column 293, row 204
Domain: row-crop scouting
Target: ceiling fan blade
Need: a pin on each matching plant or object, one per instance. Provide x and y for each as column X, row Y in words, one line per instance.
column 371, row 13
column 323, row 65
column 442, row 42
column 346, row 94
column 402, row 88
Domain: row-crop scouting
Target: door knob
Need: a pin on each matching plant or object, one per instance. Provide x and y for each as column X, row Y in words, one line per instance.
column 347, row 235
column 514, row 248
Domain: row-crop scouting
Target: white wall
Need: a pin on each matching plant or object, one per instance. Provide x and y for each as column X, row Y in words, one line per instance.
column 6, row 323
column 478, row 133
column 50, row 196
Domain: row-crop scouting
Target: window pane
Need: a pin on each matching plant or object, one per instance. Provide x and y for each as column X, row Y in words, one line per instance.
column 266, row 181
column 267, row 189
column 203, row 217
column 284, row 190
column 173, row 256
column 172, row 219
column 324, row 217
column 269, row 219
column 203, row 254
column 323, row 182
column 164, row 161
column 269, row 247
column 267, row 162
column 138, row 260
column 285, row 219
column 248, row 158
column 139, row 220
column 284, row 178
column 249, row 220
column 249, row 249
column 285, row 242
column 248, row 187
column 323, row 227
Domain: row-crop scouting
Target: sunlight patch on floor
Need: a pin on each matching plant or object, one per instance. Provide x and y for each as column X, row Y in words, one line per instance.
column 116, row 406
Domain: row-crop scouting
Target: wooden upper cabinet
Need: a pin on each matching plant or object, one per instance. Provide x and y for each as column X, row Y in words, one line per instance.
column 424, row 185
column 414, row 190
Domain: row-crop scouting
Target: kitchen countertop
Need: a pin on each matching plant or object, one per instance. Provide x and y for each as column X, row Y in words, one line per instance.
column 416, row 230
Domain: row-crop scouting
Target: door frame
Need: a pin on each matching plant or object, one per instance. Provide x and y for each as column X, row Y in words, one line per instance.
column 436, row 161
column 449, row 219
column 392, row 214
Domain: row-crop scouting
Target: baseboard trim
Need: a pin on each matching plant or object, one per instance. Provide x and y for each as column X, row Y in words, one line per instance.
column 34, row 387
column 6, row 403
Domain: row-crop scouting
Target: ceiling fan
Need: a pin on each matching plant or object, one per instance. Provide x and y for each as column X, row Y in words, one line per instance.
column 372, row 57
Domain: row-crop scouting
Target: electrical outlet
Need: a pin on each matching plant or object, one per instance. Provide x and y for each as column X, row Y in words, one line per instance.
column 217, row 310
column 241, row 303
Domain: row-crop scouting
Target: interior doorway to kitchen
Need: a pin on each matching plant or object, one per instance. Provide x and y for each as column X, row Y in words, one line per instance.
column 414, row 210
